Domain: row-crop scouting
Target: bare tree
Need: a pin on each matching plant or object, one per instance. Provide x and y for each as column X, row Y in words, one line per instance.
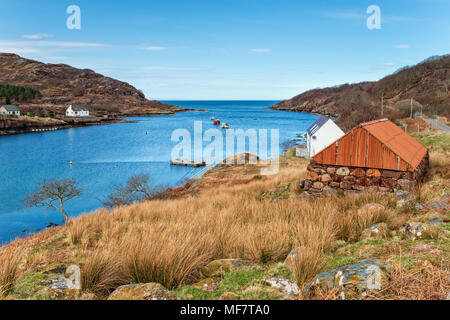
column 53, row 194
column 137, row 189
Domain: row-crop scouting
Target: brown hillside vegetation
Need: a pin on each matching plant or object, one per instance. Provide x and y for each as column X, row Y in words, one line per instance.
column 427, row 83
column 61, row 85
column 234, row 212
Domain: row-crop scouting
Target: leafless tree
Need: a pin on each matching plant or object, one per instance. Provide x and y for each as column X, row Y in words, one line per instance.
column 53, row 194
column 137, row 189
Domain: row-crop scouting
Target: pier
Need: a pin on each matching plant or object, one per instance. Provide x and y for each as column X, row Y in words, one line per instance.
column 187, row 163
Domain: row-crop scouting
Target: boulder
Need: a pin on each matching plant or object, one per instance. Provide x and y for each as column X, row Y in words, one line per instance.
column 355, row 279
column 358, row 172
column 346, row 185
column 379, row 230
column 406, row 184
column 318, row 185
column 418, row 230
column 209, row 284
column 402, row 194
column 343, row 171
column 409, row 204
column 335, row 184
column 311, row 175
column 432, row 217
column 286, row 286
column 325, row 178
column 329, row 191
column 373, row 173
column 142, row 291
column 439, row 206
column 371, row 208
column 392, row 174
column 331, row 170
column 61, row 287
column 225, row 265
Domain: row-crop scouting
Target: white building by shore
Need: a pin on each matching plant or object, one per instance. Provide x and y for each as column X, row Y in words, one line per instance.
column 74, row 111
column 321, row 134
column 10, row 110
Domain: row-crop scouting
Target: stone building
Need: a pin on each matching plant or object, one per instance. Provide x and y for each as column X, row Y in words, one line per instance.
column 374, row 156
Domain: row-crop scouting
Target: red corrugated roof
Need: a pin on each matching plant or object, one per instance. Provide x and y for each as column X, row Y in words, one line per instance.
column 397, row 140
column 377, row 144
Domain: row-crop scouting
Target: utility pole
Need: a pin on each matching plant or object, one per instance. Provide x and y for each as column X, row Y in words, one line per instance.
column 411, row 108
column 382, row 106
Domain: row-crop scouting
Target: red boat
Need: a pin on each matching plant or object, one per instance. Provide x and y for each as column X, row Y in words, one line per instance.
column 217, row 123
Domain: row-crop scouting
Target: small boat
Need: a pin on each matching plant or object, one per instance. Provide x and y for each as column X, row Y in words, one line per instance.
column 217, row 122
column 226, row 126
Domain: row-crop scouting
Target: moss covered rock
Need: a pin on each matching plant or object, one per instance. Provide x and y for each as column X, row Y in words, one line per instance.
column 379, row 230
column 230, row 296
column 355, row 279
column 286, row 286
column 209, row 284
column 418, row 230
column 226, row 265
column 142, row 291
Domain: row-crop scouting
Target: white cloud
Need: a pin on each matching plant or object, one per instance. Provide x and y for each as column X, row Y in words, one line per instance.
column 164, row 68
column 151, row 48
column 402, row 46
column 389, row 64
column 37, row 36
column 345, row 15
column 17, row 50
column 261, row 50
column 41, row 43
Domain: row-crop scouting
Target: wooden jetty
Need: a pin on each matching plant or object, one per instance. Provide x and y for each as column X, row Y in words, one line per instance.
column 187, row 163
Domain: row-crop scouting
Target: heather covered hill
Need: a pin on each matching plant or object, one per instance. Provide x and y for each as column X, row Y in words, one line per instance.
column 427, row 83
column 60, row 85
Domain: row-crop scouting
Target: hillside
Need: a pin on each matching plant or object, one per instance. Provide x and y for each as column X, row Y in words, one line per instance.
column 61, row 85
column 234, row 234
column 427, row 83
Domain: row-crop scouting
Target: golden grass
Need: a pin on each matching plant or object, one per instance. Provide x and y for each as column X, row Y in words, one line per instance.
column 9, row 268
column 169, row 241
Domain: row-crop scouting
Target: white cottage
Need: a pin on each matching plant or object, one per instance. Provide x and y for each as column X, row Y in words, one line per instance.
column 10, row 110
column 321, row 134
column 74, row 111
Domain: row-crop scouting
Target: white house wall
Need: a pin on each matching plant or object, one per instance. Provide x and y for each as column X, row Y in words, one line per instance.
column 327, row 134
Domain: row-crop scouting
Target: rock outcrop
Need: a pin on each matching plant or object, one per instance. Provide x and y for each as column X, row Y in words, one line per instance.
column 142, row 291
column 354, row 279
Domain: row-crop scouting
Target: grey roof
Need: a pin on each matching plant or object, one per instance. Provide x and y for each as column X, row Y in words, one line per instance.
column 317, row 125
column 10, row 108
column 76, row 108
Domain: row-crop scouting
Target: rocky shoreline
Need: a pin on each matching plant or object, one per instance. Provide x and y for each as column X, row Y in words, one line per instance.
column 19, row 126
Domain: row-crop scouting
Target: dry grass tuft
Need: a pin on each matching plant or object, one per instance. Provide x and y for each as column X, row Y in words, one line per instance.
column 102, row 273
column 423, row 282
column 9, row 269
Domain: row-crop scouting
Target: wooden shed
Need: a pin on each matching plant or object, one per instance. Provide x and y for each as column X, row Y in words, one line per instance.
column 373, row 154
column 378, row 144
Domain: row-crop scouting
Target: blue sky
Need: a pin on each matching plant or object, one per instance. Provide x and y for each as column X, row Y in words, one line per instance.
column 228, row 49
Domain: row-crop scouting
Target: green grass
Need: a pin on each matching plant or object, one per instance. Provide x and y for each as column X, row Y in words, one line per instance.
column 29, row 287
column 433, row 140
column 237, row 282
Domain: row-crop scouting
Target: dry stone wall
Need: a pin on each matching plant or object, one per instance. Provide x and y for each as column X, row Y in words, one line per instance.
column 332, row 179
